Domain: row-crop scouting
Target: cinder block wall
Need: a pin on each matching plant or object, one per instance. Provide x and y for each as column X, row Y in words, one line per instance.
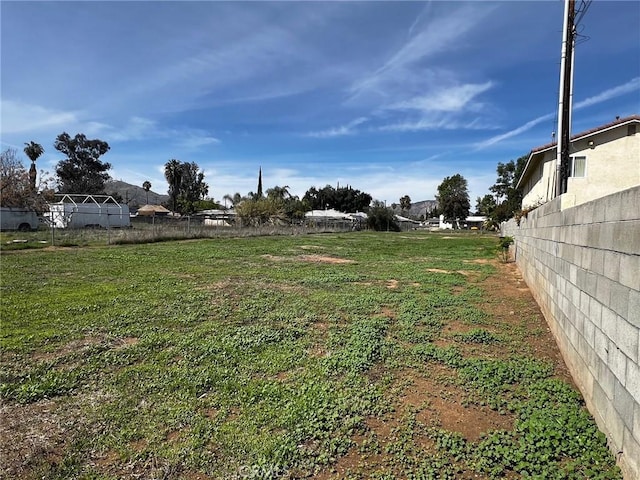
column 582, row 265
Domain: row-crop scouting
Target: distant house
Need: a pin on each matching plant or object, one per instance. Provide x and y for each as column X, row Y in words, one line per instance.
column 475, row 222
column 406, row 223
column 604, row 160
column 327, row 216
column 217, row 217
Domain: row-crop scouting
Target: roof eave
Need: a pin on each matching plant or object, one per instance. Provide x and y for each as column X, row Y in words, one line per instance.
column 580, row 136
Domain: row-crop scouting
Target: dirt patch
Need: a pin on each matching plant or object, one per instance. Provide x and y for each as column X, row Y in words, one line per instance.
column 74, row 346
column 126, row 342
column 466, row 273
column 274, row 258
column 313, row 258
column 480, row 261
column 33, row 435
column 392, row 284
column 388, row 312
column 323, row 259
column 211, row 413
column 511, row 305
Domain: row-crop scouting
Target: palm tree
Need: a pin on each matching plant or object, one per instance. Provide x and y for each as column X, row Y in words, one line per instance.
column 33, row 150
column 405, row 203
column 235, row 200
column 147, row 186
column 278, row 193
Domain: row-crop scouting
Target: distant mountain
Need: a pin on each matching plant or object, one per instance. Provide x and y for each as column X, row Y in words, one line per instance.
column 134, row 195
column 418, row 210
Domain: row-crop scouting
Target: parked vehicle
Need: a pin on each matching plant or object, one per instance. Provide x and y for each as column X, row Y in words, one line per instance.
column 21, row 219
column 88, row 211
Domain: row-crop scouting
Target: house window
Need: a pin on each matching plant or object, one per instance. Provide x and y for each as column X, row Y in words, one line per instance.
column 631, row 129
column 578, row 166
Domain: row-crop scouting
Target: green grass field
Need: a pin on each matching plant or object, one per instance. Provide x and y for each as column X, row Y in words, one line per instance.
column 280, row 357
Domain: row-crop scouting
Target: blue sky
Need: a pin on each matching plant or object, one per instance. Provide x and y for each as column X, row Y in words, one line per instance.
column 388, row 97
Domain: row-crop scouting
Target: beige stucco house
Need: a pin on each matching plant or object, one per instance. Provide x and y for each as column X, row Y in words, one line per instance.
column 604, row 160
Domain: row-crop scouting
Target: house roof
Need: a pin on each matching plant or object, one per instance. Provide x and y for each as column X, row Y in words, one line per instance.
column 405, row 219
column 618, row 122
column 152, row 210
column 217, row 211
column 329, row 213
column 476, row 218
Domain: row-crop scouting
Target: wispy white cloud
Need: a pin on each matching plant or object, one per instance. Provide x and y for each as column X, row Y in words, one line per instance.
column 434, row 122
column 410, row 92
column 21, row 117
column 631, row 86
column 628, row 87
column 348, row 129
column 406, row 66
column 444, row 108
column 423, row 14
column 26, row 121
column 143, row 129
column 195, row 139
column 245, row 56
column 512, row 133
column 436, row 37
column 454, row 98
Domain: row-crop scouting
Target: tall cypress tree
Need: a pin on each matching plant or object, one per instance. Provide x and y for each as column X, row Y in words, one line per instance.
column 259, row 194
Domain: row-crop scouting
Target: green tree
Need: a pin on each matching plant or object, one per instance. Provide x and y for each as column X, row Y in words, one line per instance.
column 344, row 199
column 206, row 204
column 294, row 208
column 405, row 203
column 259, row 193
column 82, row 171
column 234, row 199
column 278, row 193
column 192, row 189
column 146, row 185
column 173, row 174
column 33, row 150
column 453, row 198
column 509, row 199
column 186, row 185
column 258, row 211
column 381, row 218
column 485, row 205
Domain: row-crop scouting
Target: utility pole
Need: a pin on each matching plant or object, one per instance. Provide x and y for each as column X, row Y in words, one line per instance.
column 566, row 92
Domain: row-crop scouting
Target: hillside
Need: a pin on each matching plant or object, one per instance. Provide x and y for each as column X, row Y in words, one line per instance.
column 418, row 210
column 133, row 195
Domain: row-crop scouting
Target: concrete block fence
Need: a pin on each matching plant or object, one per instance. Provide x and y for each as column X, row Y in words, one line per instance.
column 582, row 265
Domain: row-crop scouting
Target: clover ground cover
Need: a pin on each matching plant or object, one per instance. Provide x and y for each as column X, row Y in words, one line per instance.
column 361, row 355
